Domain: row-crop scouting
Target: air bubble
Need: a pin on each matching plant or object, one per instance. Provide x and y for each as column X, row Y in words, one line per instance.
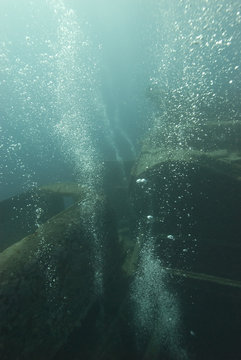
column 141, row 181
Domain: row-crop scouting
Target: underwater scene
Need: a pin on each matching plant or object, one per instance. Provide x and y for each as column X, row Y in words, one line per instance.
column 120, row 180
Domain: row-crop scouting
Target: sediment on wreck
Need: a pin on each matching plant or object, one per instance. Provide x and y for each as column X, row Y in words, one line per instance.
column 21, row 214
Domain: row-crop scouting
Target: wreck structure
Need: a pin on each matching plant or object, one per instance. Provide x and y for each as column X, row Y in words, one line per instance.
column 184, row 192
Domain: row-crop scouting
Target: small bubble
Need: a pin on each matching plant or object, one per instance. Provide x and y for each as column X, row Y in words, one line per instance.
column 141, row 181
column 150, row 218
column 171, row 237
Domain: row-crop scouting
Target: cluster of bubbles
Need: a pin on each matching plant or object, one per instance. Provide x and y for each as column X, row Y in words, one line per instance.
column 74, row 92
column 16, row 130
column 157, row 314
column 76, row 105
column 156, row 308
column 197, row 69
column 47, row 265
column 195, row 58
